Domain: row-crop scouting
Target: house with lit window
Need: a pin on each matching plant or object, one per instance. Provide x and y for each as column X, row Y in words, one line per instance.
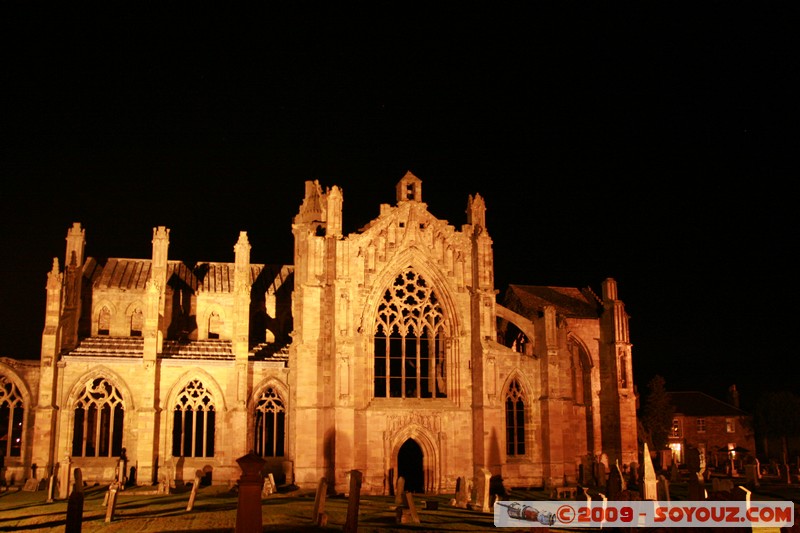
column 386, row 350
column 722, row 432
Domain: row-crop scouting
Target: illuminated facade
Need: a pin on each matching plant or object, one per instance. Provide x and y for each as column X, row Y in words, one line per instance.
column 384, row 351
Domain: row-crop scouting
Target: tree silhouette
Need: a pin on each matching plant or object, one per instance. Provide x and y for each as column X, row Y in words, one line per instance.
column 657, row 413
column 777, row 415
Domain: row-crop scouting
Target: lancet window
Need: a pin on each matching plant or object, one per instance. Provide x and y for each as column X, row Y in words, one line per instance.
column 98, row 420
column 515, row 420
column 410, row 341
column 104, row 321
column 137, row 323
column 270, row 425
column 12, row 412
column 193, row 422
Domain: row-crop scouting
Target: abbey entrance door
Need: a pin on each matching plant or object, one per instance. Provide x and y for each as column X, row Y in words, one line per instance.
column 409, row 466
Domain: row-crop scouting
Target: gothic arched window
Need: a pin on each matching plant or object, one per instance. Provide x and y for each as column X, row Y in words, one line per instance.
column 515, row 419
column 137, row 323
column 12, row 411
column 193, row 422
column 270, row 427
column 98, row 423
column 104, row 321
column 410, row 341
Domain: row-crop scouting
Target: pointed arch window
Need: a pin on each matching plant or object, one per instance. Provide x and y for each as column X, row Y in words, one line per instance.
column 214, row 326
column 410, row 341
column 515, row 420
column 12, row 412
column 270, row 425
column 137, row 323
column 194, row 421
column 98, row 421
column 104, row 321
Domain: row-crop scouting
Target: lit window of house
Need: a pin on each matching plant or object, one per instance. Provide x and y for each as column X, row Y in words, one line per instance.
column 701, row 425
column 676, row 428
column 730, row 425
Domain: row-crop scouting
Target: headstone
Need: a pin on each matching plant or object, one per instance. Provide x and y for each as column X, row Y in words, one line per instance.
column 461, row 499
column 586, row 470
column 354, row 499
column 75, row 505
column 740, row 493
column 65, row 481
column 649, row 491
column 111, row 505
column 482, row 501
column 751, row 476
column 248, row 508
column 600, row 475
column 122, row 467
column 633, row 481
column 198, row 475
column 615, row 483
column 319, row 517
column 407, row 513
column 696, row 486
column 31, row 485
column 399, row 490
column 674, row 474
column 662, row 489
column 269, row 486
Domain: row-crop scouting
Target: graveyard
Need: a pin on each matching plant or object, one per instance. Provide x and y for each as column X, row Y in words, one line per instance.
column 257, row 504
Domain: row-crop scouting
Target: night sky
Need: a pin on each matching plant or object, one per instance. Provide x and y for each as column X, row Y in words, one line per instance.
column 655, row 147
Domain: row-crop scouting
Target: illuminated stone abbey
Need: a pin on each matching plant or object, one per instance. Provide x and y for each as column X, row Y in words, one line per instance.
column 384, row 351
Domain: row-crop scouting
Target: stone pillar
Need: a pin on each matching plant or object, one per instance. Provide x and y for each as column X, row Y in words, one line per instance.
column 248, row 510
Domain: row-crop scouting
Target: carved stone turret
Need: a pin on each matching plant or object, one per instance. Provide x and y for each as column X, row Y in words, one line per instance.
column 156, row 288
column 241, row 296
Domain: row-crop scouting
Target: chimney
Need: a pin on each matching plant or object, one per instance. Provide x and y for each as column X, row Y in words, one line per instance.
column 733, row 396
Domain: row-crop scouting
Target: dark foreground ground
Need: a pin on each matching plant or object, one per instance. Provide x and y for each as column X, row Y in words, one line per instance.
column 215, row 509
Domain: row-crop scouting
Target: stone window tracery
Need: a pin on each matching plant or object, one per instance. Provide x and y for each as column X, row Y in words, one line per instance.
column 270, row 425
column 410, row 341
column 12, row 412
column 515, row 419
column 98, row 421
column 193, row 422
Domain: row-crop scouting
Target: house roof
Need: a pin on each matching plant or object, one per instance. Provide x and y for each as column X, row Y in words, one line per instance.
column 694, row 403
column 568, row 301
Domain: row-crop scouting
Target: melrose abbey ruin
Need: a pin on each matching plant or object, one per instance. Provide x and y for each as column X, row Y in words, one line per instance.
column 384, row 351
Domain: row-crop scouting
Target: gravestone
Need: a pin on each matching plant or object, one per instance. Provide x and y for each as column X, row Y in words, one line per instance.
column 649, row 490
column 600, row 475
column 696, row 486
column 269, row 486
column 111, row 505
column 407, row 513
column 482, row 501
column 751, row 476
column 633, row 480
column 75, row 505
column 198, row 475
column 461, row 499
column 586, row 470
column 319, row 517
column 615, row 483
column 662, row 489
column 399, row 490
column 353, row 502
column 674, row 474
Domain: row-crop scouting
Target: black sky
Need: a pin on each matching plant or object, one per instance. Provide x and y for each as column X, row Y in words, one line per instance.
column 654, row 146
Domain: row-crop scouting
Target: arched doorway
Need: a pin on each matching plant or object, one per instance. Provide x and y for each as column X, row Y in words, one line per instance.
column 409, row 466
